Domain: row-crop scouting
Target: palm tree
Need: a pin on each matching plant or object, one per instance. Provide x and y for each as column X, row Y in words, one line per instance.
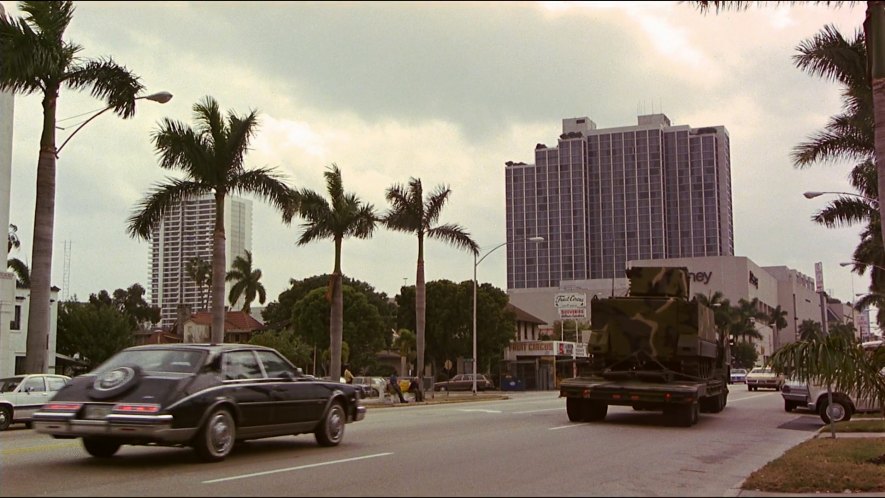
column 874, row 38
column 410, row 212
column 14, row 241
column 247, row 282
column 343, row 215
column 809, row 329
column 36, row 59
column 405, row 343
column 721, row 308
column 200, row 272
column 777, row 320
column 211, row 157
column 22, row 273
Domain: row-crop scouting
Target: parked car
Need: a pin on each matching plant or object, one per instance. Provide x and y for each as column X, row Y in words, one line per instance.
column 845, row 404
column 795, row 394
column 372, row 386
column 764, row 377
column 738, row 375
column 204, row 396
column 21, row 396
column 464, row 382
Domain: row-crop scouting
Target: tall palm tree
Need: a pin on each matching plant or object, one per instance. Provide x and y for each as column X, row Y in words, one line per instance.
column 342, row 215
column 874, row 38
column 247, row 282
column 200, row 272
column 22, row 273
column 36, row 59
column 410, row 212
column 777, row 319
column 211, row 156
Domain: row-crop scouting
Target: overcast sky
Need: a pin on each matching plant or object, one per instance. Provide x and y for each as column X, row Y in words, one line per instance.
column 444, row 92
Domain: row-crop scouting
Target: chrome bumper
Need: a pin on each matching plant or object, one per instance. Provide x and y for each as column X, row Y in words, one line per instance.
column 157, row 428
column 359, row 413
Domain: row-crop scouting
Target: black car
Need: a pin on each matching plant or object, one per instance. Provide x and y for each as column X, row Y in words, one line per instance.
column 199, row 395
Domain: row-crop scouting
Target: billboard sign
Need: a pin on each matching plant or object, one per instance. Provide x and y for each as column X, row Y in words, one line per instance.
column 571, row 305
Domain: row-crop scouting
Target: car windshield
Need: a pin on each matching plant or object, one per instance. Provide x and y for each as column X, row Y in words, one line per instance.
column 156, row 360
column 9, row 384
column 739, row 371
column 761, row 371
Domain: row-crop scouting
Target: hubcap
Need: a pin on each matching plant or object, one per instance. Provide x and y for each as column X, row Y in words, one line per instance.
column 221, row 433
column 836, row 412
column 2, row 417
column 335, row 423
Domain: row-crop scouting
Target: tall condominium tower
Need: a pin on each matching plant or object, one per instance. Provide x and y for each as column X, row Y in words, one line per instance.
column 186, row 233
column 603, row 197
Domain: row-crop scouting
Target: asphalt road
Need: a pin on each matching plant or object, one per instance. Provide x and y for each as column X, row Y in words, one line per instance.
column 523, row 446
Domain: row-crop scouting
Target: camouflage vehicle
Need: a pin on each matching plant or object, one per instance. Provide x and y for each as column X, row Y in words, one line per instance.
column 654, row 349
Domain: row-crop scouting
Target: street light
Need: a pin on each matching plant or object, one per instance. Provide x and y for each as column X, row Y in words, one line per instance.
column 476, row 263
column 813, row 194
column 161, row 97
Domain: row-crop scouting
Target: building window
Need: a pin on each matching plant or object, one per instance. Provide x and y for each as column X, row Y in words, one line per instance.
column 16, row 323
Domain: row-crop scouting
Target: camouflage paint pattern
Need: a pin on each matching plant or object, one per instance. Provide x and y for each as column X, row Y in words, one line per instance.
column 655, row 281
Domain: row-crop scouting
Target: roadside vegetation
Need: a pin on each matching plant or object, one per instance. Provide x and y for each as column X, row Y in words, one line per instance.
column 827, row 465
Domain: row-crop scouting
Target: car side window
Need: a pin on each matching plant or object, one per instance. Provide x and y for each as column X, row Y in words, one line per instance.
column 56, row 383
column 274, row 365
column 34, row 384
column 240, row 365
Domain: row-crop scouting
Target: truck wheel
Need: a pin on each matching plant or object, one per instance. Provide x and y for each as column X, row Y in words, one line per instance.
column 594, row 411
column 574, row 409
column 840, row 411
column 100, row 447
column 682, row 415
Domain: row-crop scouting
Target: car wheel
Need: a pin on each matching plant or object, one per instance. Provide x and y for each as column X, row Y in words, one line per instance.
column 839, row 411
column 100, row 447
column 574, row 409
column 330, row 432
column 217, row 437
column 789, row 405
column 5, row 418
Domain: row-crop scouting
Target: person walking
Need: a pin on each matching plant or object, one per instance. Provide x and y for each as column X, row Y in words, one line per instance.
column 348, row 376
column 393, row 385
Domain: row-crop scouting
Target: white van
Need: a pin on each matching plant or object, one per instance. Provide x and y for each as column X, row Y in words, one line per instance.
column 844, row 404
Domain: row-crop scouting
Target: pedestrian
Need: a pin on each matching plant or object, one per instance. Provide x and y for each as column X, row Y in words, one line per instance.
column 393, row 385
column 348, row 376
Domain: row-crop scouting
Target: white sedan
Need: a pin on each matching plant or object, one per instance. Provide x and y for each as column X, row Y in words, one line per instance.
column 22, row 395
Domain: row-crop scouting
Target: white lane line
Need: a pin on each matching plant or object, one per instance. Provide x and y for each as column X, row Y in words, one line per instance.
column 538, row 411
column 734, row 400
column 480, row 411
column 565, row 427
column 300, row 467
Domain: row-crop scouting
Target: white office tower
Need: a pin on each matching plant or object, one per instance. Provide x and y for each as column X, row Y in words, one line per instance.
column 184, row 234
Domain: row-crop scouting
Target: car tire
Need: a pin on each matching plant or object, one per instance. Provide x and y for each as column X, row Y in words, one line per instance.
column 840, row 411
column 5, row 418
column 100, row 447
column 574, row 408
column 330, row 432
column 217, row 437
column 789, row 405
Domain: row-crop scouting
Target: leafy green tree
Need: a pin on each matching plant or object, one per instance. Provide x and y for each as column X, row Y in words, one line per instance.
column 247, row 282
column 37, row 59
column 287, row 343
column 363, row 329
column 95, row 331
column 744, row 355
column 131, row 302
column 809, row 329
column 410, row 212
column 200, row 272
column 343, row 215
column 211, row 156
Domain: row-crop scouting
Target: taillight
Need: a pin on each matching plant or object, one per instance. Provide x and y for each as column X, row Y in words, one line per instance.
column 136, row 408
column 62, row 407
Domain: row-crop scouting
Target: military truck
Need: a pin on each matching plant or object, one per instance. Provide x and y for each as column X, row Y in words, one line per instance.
column 654, row 349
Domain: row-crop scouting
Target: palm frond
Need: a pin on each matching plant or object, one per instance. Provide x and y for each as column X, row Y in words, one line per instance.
column 269, row 185
column 180, row 147
column 454, row 235
column 110, row 82
column 435, row 204
column 150, row 211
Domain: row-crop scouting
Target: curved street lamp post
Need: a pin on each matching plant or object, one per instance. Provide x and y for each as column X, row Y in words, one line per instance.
column 476, row 263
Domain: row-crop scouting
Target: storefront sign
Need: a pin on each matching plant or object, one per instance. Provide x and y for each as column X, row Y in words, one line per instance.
column 701, row 277
column 547, row 348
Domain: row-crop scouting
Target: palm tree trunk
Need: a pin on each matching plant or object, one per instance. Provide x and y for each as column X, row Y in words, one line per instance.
column 218, row 270
column 874, row 34
column 336, row 317
column 420, row 309
column 36, row 356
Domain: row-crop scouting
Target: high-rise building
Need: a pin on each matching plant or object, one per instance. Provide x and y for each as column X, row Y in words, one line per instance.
column 603, row 197
column 186, row 233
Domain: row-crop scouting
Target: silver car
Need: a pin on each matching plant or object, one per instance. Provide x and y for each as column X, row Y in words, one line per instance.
column 795, row 394
column 21, row 396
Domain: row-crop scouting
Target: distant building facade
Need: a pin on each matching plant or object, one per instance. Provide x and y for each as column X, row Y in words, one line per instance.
column 186, row 233
column 602, row 197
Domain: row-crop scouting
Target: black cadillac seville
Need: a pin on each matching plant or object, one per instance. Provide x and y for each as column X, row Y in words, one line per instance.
column 199, row 395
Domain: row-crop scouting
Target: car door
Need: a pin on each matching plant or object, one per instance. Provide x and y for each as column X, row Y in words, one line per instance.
column 32, row 394
column 246, row 385
column 294, row 400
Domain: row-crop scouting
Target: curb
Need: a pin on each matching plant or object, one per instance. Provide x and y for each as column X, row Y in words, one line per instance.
column 447, row 400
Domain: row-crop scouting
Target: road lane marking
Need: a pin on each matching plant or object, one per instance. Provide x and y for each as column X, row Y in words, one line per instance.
column 565, row 426
column 34, row 449
column 538, row 411
column 290, row 469
column 480, row 410
column 733, row 400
